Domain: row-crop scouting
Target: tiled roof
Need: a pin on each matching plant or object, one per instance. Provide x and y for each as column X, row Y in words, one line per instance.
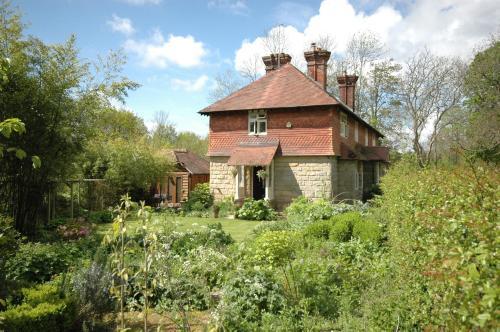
column 285, row 87
column 291, row 143
column 280, row 88
column 193, row 163
column 253, row 155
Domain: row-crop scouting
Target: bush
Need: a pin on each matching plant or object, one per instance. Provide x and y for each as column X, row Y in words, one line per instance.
column 304, row 210
column 74, row 230
column 275, row 248
column 246, row 296
column 101, row 217
column 367, row 230
column 213, row 236
column 9, row 243
column 269, row 226
column 341, row 231
column 200, row 198
column 319, row 230
column 256, row 210
column 226, row 207
column 43, row 309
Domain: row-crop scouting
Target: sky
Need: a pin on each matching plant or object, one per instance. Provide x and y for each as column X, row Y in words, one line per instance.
column 175, row 48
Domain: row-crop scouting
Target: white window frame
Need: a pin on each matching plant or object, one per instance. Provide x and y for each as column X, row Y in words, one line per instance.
column 366, row 136
column 255, row 118
column 356, row 132
column 344, row 125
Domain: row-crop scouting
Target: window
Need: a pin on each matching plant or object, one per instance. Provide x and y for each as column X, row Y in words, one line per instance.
column 358, row 176
column 374, row 140
column 356, row 133
column 366, row 136
column 344, row 128
column 257, row 122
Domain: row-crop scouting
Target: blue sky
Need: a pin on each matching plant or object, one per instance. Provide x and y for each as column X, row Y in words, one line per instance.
column 175, row 48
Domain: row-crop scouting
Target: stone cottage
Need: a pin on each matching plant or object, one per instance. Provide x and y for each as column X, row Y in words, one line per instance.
column 284, row 135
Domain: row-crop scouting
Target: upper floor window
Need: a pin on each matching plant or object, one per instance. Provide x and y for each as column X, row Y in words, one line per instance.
column 366, row 136
column 374, row 140
column 257, row 122
column 344, row 128
column 356, row 131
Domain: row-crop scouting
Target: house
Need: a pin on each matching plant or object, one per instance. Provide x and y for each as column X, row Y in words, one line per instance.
column 284, row 135
column 190, row 169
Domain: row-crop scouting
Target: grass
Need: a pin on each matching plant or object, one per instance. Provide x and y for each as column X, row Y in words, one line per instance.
column 239, row 229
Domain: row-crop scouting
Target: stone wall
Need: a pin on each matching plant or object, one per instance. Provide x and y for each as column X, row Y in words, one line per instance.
column 308, row 176
column 221, row 179
column 346, row 181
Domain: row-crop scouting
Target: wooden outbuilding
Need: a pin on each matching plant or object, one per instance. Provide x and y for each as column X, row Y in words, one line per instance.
column 190, row 169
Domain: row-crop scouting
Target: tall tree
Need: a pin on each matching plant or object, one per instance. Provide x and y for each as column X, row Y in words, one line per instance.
column 192, row 142
column 225, row 84
column 164, row 133
column 482, row 86
column 56, row 94
column 431, row 87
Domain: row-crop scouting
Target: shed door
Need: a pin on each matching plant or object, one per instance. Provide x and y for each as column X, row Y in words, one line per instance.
column 178, row 189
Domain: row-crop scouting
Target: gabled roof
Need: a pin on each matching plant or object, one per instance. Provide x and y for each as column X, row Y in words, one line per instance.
column 193, row 163
column 281, row 88
column 285, row 87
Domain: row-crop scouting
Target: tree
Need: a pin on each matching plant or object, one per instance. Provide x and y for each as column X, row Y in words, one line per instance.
column 275, row 40
column 57, row 95
column 430, row 89
column 225, row 84
column 192, row 142
column 164, row 133
column 482, row 86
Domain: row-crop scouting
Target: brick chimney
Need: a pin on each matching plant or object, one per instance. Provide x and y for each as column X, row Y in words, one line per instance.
column 347, row 89
column 274, row 61
column 317, row 60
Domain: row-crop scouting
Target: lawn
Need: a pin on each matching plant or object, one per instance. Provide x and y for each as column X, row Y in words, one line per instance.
column 239, row 229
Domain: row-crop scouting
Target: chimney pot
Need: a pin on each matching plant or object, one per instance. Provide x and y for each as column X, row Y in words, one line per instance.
column 317, row 60
column 347, row 89
column 274, row 61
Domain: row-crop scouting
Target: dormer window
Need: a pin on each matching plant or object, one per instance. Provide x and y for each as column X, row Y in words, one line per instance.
column 344, row 128
column 257, row 122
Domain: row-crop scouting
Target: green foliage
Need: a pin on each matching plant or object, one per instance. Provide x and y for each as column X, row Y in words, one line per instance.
column 443, row 235
column 341, row 230
column 275, row 248
column 319, row 230
column 43, row 309
column 367, row 230
column 304, row 210
column 9, row 243
column 256, row 210
column 200, row 198
column 226, row 207
column 246, row 296
column 213, row 236
column 101, row 217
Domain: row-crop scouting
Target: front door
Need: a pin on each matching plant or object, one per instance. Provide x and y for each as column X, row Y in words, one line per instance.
column 259, row 185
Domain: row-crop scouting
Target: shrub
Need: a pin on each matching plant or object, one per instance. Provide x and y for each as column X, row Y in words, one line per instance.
column 246, row 296
column 367, row 230
column 319, row 230
column 226, row 207
column 200, row 198
column 74, row 230
column 43, row 309
column 275, row 248
column 213, row 236
column 256, row 210
column 101, row 217
column 341, row 231
column 9, row 243
column 268, row 226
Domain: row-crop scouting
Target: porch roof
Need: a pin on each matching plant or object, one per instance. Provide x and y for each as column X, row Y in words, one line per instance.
column 253, row 155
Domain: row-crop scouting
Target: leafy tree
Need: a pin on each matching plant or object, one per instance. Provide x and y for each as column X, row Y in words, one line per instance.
column 164, row 133
column 192, row 142
column 57, row 96
column 482, row 85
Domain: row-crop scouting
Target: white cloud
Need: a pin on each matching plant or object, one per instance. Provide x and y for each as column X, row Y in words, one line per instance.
column 190, row 85
column 121, row 24
column 446, row 27
column 235, row 6
column 142, row 2
column 183, row 51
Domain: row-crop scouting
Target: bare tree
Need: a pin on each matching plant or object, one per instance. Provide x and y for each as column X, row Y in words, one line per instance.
column 225, row 84
column 275, row 40
column 250, row 68
column 431, row 87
